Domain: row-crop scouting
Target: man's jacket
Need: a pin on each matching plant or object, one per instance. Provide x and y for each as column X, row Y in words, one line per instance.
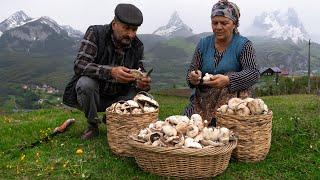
column 98, row 66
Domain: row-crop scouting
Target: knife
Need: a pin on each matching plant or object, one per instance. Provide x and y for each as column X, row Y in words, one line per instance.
column 149, row 72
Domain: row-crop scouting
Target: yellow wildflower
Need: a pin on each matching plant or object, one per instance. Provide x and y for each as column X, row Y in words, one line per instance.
column 79, row 151
column 22, row 157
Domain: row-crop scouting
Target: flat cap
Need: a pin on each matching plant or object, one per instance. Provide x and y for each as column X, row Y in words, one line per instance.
column 128, row 14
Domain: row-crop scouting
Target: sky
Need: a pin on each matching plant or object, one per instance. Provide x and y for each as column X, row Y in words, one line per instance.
column 195, row 13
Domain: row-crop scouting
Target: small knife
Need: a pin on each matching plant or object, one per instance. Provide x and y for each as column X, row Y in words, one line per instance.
column 149, row 72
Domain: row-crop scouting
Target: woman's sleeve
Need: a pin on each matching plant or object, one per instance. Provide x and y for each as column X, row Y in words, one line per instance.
column 194, row 65
column 249, row 74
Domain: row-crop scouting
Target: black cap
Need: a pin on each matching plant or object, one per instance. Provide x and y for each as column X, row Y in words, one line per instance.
column 128, row 14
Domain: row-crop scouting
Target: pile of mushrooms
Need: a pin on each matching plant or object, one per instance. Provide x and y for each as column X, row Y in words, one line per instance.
column 244, row 107
column 180, row 131
column 141, row 103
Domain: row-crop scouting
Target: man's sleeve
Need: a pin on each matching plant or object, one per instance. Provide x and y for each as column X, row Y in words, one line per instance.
column 84, row 64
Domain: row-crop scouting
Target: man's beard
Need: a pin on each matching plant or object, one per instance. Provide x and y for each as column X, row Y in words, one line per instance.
column 125, row 41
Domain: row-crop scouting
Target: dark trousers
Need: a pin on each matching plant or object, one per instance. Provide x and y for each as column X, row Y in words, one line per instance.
column 91, row 102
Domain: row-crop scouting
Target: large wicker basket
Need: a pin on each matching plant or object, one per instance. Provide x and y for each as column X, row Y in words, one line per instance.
column 254, row 135
column 119, row 126
column 183, row 162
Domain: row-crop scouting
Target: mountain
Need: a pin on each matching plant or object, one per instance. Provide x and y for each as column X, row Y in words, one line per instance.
column 73, row 32
column 37, row 35
column 174, row 28
column 280, row 25
column 17, row 19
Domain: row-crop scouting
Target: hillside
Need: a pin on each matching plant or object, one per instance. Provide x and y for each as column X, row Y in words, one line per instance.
column 294, row 152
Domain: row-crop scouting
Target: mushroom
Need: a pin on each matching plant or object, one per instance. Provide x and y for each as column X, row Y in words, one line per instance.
column 155, row 136
column 142, row 99
column 169, row 130
column 211, row 133
column 223, row 109
column 189, row 143
column 137, row 73
column 197, row 120
column 242, row 110
column 257, row 106
column 182, row 127
column 234, row 102
column 177, row 119
column 207, row 77
column 224, row 135
column 192, row 131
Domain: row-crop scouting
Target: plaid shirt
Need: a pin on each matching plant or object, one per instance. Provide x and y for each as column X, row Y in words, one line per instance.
column 86, row 64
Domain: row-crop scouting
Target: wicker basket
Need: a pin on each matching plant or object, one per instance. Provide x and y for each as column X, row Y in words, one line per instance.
column 253, row 132
column 120, row 125
column 183, row 162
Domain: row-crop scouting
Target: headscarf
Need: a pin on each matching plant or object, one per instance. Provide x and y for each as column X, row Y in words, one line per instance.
column 227, row 9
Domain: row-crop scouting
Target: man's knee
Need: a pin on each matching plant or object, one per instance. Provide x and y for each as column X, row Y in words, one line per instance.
column 86, row 85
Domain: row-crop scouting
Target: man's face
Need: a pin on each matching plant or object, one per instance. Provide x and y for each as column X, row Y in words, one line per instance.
column 124, row 33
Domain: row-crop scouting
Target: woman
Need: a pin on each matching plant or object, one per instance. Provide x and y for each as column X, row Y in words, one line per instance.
column 227, row 55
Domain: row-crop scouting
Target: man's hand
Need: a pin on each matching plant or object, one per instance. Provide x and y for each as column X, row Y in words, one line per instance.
column 144, row 83
column 122, row 74
column 195, row 77
column 218, row 81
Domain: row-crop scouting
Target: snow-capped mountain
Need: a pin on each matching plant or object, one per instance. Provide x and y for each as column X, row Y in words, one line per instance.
column 41, row 35
column 17, row 19
column 174, row 28
column 20, row 19
column 281, row 25
column 72, row 32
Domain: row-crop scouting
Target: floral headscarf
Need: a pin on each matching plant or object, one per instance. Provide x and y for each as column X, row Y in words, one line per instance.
column 227, row 9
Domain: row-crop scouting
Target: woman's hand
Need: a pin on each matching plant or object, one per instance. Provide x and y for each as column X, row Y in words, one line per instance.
column 195, row 77
column 218, row 81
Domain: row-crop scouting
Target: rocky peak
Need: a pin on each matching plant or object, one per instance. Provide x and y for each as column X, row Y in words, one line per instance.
column 174, row 28
column 17, row 19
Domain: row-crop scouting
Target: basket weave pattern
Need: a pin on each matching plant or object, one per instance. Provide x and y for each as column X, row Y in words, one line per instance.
column 254, row 135
column 183, row 162
column 119, row 126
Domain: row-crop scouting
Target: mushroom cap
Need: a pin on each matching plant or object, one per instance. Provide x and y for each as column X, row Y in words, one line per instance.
column 141, row 98
column 137, row 73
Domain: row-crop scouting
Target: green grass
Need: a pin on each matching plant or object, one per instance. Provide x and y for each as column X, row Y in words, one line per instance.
column 294, row 153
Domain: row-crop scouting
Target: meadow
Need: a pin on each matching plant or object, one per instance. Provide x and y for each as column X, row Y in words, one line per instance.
column 294, row 152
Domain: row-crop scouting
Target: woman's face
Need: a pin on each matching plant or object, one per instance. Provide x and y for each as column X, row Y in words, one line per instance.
column 222, row 27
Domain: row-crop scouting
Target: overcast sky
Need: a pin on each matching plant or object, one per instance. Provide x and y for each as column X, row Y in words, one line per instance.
column 195, row 13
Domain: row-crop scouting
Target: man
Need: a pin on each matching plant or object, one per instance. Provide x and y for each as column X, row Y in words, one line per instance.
column 102, row 68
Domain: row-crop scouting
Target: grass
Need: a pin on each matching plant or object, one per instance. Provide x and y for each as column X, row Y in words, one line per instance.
column 294, row 153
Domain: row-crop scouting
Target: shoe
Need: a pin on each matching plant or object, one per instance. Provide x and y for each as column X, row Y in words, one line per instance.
column 90, row 133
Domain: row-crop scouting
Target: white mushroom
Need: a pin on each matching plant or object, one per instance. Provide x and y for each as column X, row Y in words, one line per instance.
column 177, row 119
column 224, row 135
column 207, row 77
column 257, row 106
column 223, row 109
column 192, row 131
column 234, row 102
column 137, row 73
column 169, row 130
column 189, row 143
column 242, row 110
column 197, row 120
column 142, row 99
column 211, row 133
column 182, row 127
